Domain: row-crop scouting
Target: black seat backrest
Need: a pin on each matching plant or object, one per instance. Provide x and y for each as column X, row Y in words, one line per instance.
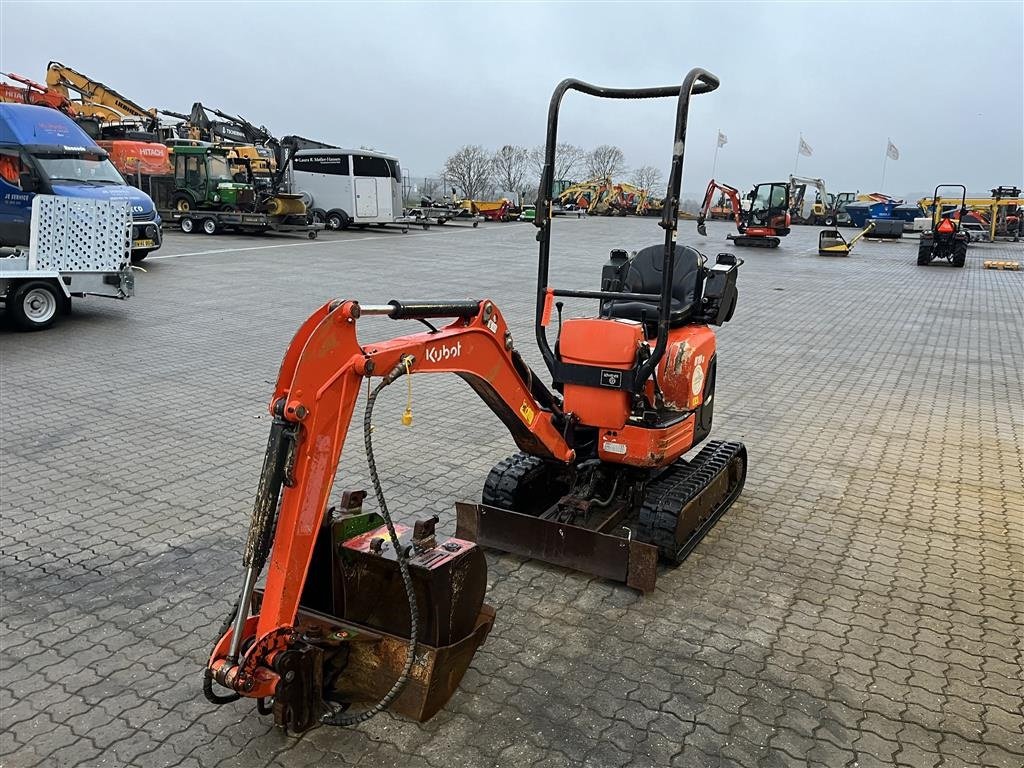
column 644, row 275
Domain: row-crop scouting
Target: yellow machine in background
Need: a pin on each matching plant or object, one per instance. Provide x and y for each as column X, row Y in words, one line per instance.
column 600, row 196
column 998, row 216
column 98, row 101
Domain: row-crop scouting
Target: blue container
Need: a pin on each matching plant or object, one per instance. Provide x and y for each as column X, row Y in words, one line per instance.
column 908, row 212
column 861, row 211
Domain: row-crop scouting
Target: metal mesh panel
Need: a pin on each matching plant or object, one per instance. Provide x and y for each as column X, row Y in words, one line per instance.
column 75, row 235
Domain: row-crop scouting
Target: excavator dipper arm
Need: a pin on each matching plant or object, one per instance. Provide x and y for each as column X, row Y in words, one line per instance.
column 316, row 393
column 734, row 197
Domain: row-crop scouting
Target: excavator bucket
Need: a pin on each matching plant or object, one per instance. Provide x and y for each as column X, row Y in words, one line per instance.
column 351, row 636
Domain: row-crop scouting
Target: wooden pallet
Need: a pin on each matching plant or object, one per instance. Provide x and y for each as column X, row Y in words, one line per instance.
column 1011, row 265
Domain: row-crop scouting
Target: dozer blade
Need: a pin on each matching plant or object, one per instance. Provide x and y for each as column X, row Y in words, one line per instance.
column 583, row 549
column 686, row 501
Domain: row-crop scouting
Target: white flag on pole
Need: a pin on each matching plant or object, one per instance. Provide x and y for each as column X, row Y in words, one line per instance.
column 805, row 148
column 722, row 139
column 891, row 151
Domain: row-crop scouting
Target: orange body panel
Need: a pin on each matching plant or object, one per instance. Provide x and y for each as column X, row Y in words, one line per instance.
column 645, row 447
column 606, row 343
column 612, row 344
column 131, row 157
column 682, row 370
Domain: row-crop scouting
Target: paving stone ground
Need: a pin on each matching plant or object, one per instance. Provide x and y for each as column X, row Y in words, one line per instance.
column 860, row 605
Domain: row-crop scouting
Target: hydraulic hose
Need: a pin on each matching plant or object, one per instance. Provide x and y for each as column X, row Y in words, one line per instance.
column 212, row 696
column 339, row 718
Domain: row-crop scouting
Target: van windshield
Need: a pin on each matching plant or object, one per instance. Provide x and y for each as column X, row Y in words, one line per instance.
column 81, row 169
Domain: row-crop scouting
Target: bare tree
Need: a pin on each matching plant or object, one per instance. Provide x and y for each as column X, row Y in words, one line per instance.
column 646, row 177
column 568, row 158
column 471, row 169
column 605, row 161
column 510, row 164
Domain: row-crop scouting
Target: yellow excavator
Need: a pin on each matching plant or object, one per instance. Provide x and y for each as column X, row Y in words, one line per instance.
column 253, row 144
column 92, row 99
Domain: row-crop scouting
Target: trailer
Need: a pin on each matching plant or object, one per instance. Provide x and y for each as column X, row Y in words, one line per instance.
column 77, row 247
column 439, row 215
column 346, row 188
column 214, row 222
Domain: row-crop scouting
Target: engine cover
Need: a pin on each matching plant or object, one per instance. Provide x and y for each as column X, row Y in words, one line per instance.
column 605, row 343
column 684, row 368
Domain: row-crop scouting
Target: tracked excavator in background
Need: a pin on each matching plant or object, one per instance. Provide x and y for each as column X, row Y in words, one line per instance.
column 248, row 142
column 822, row 209
column 34, row 93
column 761, row 222
column 102, row 104
column 358, row 608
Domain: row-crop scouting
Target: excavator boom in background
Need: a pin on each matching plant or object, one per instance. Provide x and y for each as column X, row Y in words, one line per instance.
column 821, row 211
column 97, row 100
column 34, row 93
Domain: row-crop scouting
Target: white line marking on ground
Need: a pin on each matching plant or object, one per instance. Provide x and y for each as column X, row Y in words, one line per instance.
column 293, row 244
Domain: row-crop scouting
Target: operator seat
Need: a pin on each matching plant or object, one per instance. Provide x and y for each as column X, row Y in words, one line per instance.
column 643, row 275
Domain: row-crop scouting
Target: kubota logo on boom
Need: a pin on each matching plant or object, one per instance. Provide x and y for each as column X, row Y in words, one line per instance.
column 441, row 352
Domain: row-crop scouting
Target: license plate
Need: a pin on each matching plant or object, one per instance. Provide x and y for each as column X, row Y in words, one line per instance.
column 142, row 244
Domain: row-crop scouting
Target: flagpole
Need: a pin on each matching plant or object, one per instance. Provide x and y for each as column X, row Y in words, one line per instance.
column 718, row 146
column 885, row 159
column 797, row 161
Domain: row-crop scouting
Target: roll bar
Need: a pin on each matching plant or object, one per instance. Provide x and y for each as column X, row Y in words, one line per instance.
column 696, row 81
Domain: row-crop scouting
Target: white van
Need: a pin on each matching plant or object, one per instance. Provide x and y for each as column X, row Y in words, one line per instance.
column 347, row 187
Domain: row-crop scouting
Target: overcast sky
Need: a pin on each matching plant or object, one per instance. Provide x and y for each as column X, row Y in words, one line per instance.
column 943, row 80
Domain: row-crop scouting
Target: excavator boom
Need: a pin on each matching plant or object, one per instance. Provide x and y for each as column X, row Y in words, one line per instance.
column 734, row 198
column 317, row 390
column 64, row 79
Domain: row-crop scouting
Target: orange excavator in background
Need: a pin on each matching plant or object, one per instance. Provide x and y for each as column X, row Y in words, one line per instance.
column 357, row 608
column 761, row 222
column 132, row 151
column 34, row 93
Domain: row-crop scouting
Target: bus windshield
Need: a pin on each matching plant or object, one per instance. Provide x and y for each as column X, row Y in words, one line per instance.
column 80, row 169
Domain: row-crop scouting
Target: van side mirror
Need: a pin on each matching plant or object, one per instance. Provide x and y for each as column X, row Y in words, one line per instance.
column 28, row 182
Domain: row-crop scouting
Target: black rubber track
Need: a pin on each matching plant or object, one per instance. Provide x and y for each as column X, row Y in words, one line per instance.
column 672, row 491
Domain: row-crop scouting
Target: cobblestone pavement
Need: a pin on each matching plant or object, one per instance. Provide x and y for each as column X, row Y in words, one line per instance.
column 860, row 605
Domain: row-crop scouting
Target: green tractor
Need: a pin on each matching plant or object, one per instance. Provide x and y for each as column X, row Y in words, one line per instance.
column 208, row 178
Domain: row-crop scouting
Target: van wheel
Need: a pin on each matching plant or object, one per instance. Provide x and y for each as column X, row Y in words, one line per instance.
column 210, row 226
column 139, row 256
column 34, row 305
column 187, row 225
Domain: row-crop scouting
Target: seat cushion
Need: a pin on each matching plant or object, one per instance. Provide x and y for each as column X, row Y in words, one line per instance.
column 643, row 275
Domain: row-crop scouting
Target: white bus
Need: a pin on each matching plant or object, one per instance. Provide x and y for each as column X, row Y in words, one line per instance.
column 348, row 187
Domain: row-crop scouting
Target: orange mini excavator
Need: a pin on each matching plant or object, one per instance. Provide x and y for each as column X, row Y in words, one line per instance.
column 761, row 221
column 359, row 609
